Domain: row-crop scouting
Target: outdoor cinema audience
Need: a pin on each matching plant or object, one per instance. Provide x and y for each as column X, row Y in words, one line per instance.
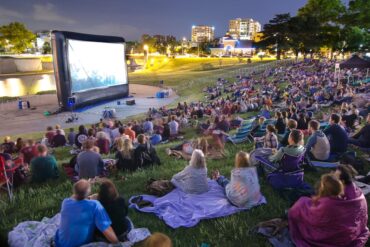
column 318, row 146
column 336, row 216
column 193, row 178
column 80, row 217
column 89, row 163
column 243, row 190
column 362, row 137
column 337, row 136
column 44, row 166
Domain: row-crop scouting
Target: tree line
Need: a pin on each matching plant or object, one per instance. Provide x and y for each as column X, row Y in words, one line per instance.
column 320, row 24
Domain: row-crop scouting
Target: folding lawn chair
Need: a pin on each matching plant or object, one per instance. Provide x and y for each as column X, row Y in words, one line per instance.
column 6, row 178
column 288, row 174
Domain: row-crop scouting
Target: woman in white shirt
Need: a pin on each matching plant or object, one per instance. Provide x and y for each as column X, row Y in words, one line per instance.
column 193, row 179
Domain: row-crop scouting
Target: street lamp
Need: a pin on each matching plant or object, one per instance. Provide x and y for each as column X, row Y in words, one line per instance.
column 146, row 51
column 182, row 44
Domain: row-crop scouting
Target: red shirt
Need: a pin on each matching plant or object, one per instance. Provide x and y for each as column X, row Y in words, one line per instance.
column 28, row 153
column 130, row 133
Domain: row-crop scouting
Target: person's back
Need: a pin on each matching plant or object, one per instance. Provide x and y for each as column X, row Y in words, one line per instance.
column 103, row 145
column 280, row 126
column 44, row 166
column 28, row 152
column 338, row 138
column 117, row 211
column 80, row 217
column 89, row 164
column 71, row 137
column 320, row 148
column 174, row 127
column 244, row 189
column 58, row 140
column 193, row 179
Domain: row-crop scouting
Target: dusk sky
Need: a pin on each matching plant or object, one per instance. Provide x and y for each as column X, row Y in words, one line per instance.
column 132, row 18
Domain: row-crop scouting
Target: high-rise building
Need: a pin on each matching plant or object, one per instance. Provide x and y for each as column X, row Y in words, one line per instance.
column 202, row 33
column 244, row 29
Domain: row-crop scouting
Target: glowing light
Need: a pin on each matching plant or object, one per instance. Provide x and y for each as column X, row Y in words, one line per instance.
column 101, row 68
column 146, row 47
column 45, row 84
column 165, row 60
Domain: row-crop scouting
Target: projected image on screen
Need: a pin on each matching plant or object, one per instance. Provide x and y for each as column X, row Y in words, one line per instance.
column 96, row 65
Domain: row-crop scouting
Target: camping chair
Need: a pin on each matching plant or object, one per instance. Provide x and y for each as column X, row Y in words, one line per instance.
column 288, row 174
column 243, row 133
column 6, row 178
column 262, row 130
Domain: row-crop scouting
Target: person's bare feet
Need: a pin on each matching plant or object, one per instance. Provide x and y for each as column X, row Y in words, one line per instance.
column 215, row 174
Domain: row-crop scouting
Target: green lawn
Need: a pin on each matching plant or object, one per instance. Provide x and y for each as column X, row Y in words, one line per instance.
column 33, row 202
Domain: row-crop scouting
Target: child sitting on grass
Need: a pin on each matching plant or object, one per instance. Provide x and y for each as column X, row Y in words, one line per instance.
column 243, row 190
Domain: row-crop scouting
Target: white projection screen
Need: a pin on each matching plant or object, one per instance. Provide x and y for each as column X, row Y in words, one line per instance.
column 95, row 65
column 90, row 68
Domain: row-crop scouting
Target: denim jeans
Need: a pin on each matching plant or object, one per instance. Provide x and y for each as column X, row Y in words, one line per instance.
column 222, row 181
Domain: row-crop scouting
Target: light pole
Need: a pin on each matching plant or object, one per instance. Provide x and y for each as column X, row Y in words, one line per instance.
column 182, row 44
column 276, row 45
column 146, row 51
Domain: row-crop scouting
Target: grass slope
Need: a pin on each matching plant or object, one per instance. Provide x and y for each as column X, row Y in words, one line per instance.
column 33, row 202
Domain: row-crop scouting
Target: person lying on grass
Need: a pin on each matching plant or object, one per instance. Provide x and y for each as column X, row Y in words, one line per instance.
column 80, row 217
column 186, row 149
column 243, row 190
column 193, row 179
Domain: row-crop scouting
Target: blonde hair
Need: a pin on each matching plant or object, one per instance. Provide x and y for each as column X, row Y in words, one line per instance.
column 202, row 144
column 330, row 185
column 197, row 159
column 158, row 240
column 242, row 159
column 125, row 147
column 101, row 135
column 95, row 149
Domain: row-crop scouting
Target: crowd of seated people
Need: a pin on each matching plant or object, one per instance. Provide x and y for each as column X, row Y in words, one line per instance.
column 296, row 110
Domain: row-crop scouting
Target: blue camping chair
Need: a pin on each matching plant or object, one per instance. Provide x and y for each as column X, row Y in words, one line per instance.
column 288, row 174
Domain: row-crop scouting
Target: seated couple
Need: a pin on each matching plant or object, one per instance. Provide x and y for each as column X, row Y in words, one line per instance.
column 87, row 218
column 129, row 158
column 336, row 216
column 243, row 190
column 186, row 149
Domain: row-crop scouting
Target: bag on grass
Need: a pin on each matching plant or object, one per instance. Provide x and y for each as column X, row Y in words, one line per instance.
column 159, row 187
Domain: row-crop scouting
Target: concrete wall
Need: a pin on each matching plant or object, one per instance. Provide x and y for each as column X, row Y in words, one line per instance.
column 7, row 66
column 11, row 65
column 27, row 84
column 28, row 64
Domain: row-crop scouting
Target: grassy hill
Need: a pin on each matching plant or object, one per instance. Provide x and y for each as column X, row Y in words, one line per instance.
column 33, row 202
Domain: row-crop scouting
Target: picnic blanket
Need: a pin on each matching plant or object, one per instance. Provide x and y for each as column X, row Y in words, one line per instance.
column 324, row 164
column 308, row 221
column 41, row 234
column 180, row 209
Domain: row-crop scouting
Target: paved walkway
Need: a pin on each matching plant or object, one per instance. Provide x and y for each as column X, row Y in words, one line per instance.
column 14, row 121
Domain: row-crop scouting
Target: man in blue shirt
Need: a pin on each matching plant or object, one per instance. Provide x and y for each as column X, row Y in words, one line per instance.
column 148, row 126
column 337, row 136
column 80, row 217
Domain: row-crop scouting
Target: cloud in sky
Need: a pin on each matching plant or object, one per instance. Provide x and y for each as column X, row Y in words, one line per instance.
column 47, row 12
column 8, row 14
column 118, row 29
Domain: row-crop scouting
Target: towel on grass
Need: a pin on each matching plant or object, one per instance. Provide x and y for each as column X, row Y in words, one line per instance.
column 41, row 234
column 324, row 164
column 180, row 209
